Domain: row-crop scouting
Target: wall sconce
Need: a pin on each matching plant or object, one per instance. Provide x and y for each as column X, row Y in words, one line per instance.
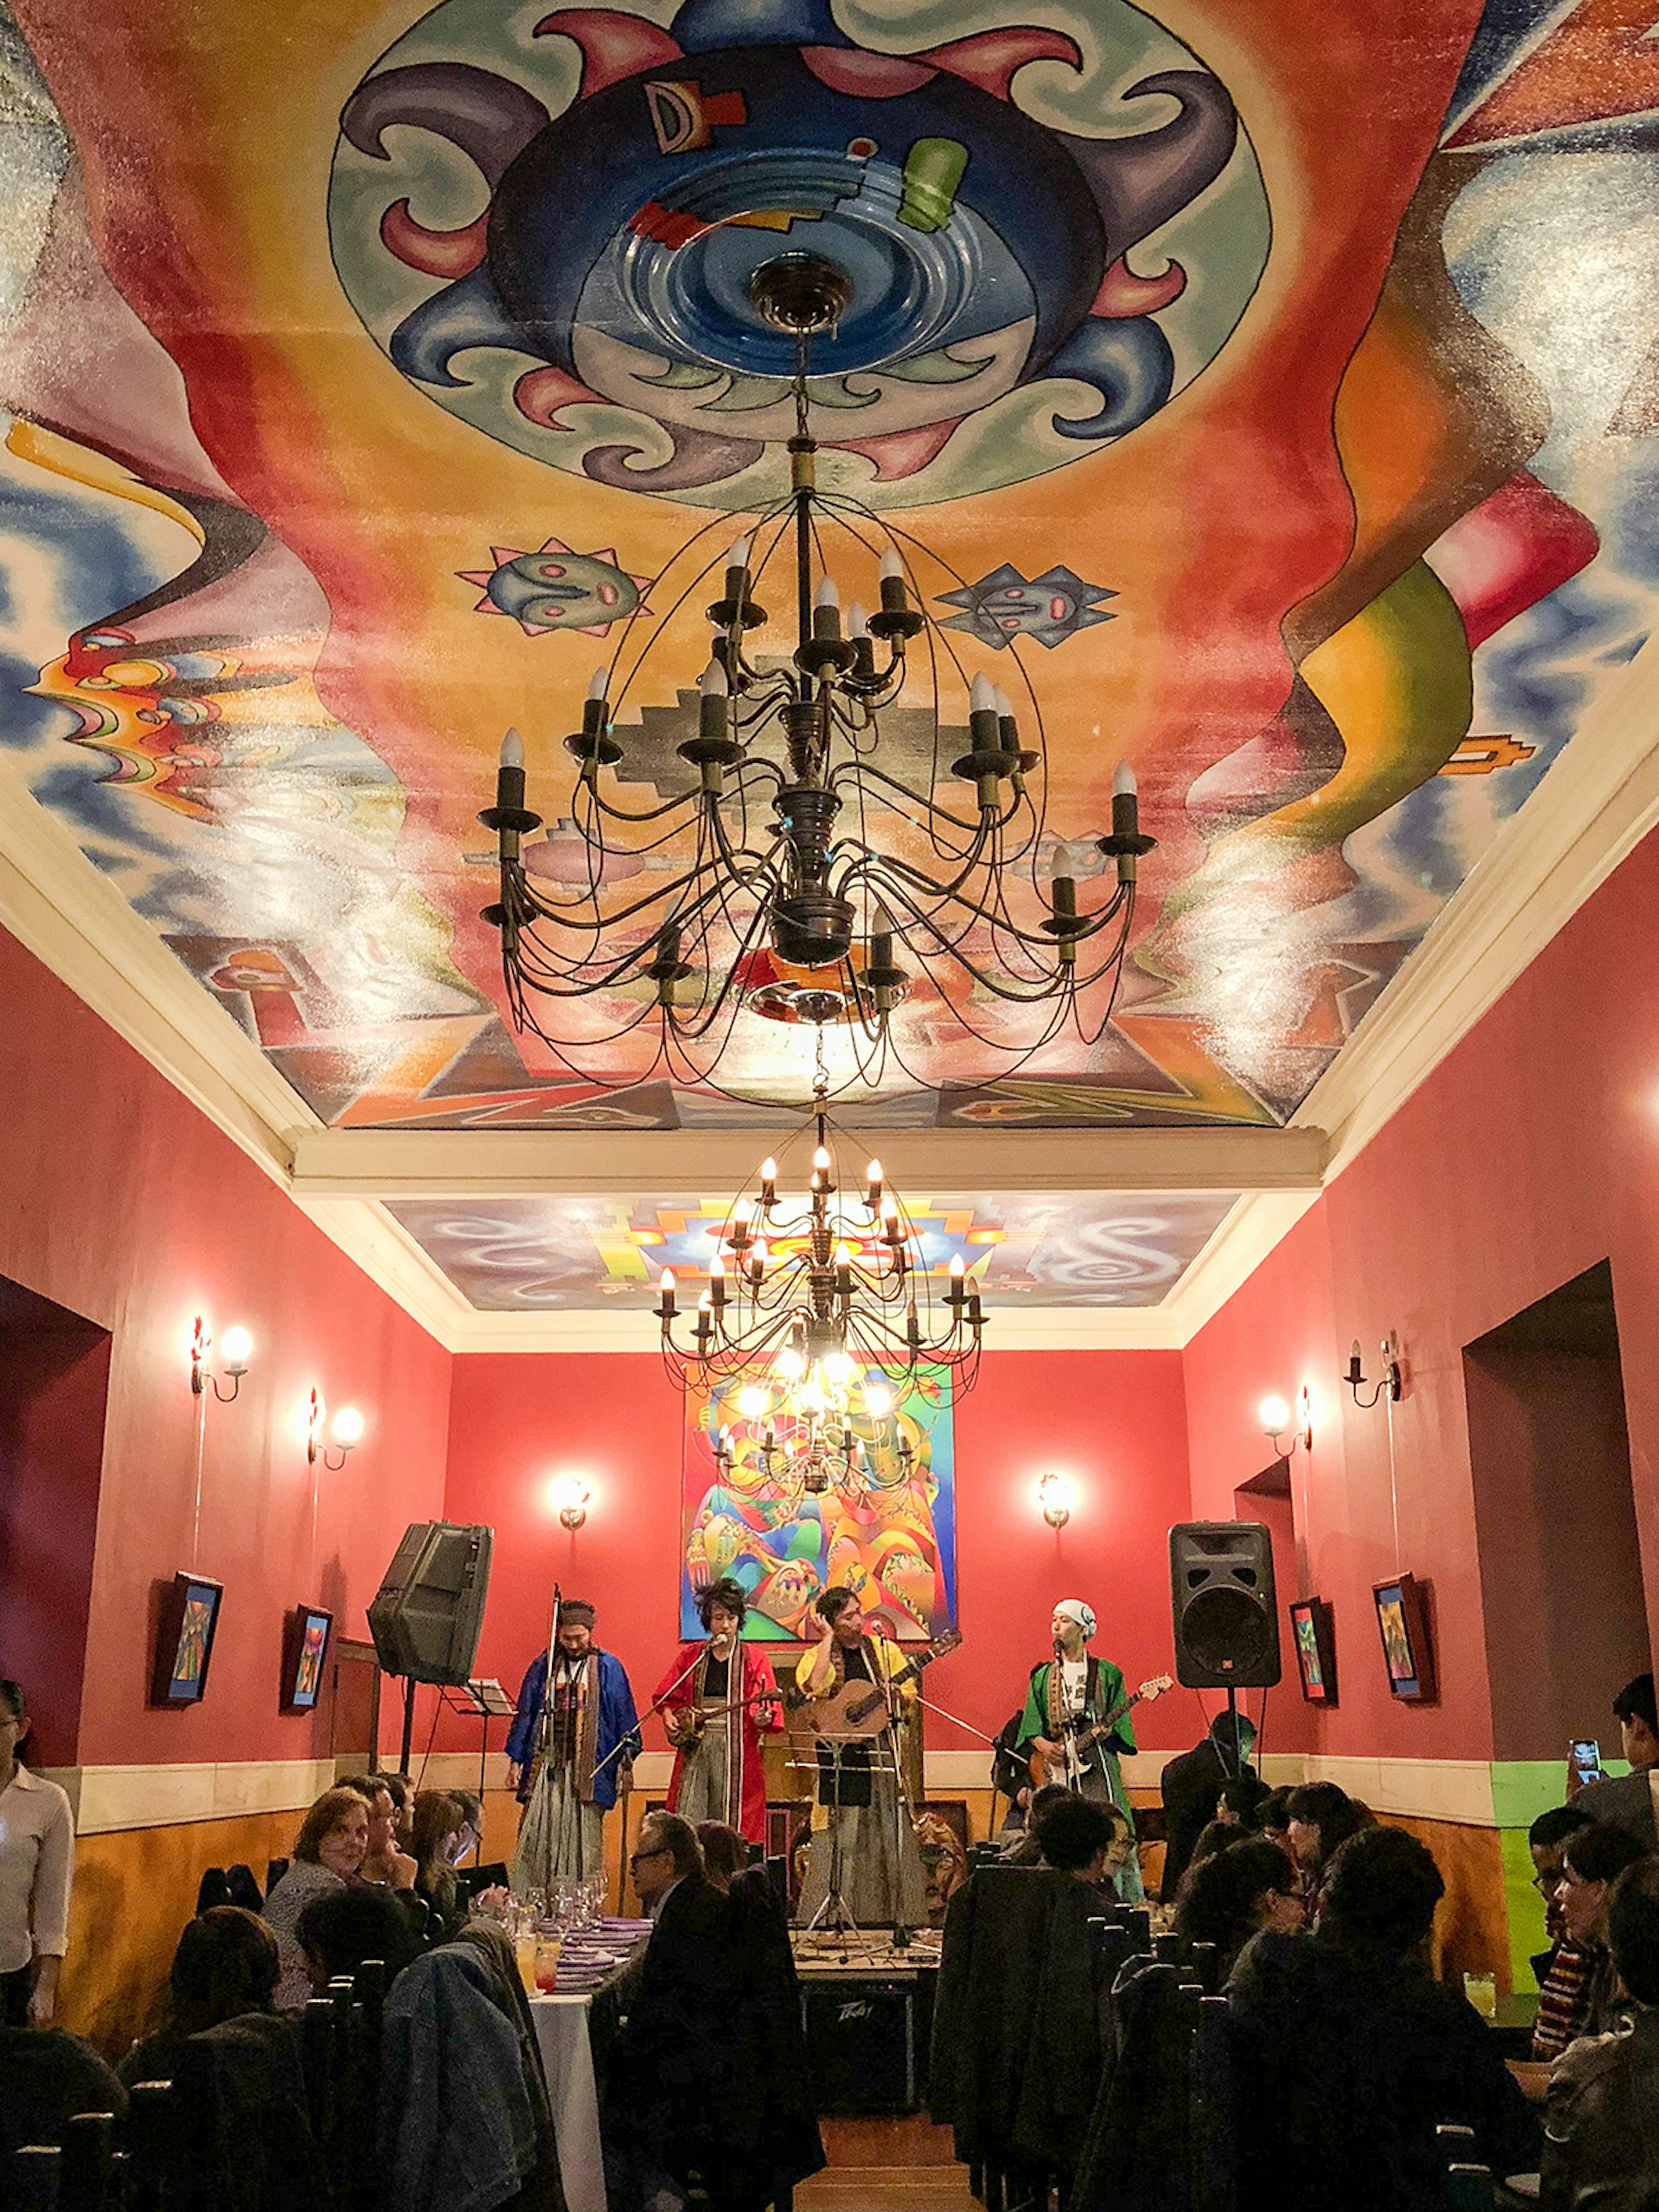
column 570, row 1494
column 1275, row 1416
column 346, row 1429
column 1054, row 1496
column 236, row 1352
column 1389, row 1381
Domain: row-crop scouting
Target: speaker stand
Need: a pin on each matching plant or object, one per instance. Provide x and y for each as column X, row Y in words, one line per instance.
column 409, row 1725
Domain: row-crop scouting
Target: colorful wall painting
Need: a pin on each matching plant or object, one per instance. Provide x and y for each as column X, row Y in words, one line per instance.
column 1311, row 467
column 1019, row 1249
column 894, row 1544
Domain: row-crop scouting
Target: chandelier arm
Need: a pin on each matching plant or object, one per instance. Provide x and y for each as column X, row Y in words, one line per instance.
column 864, row 769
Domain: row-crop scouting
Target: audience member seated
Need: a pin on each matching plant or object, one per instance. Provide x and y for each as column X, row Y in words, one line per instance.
column 403, row 1798
column 1592, row 1859
column 1601, row 2145
column 725, row 1853
column 1025, row 1850
column 1084, row 1838
column 1232, row 1895
column 1626, row 1800
column 328, row 1851
column 36, row 1860
column 1349, row 2055
column 670, row 2080
column 1241, row 1801
column 439, row 1824
column 1273, row 1817
column 1191, row 1787
column 1217, row 1837
column 226, row 1964
column 1319, row 1819
column 383, row 1862
column 336, row 1933
column 476, row 1886
column 46, row 2077
column 1561, row 1971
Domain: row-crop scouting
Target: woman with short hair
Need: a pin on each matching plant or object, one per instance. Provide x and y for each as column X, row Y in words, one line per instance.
column 328, row 1853
column 36, row 1860
column 1592, row 1860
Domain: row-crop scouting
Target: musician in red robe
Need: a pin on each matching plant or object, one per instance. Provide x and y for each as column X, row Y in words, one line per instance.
column 716, row 1699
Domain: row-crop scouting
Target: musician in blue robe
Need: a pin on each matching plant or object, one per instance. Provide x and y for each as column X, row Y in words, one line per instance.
column 568, row 1755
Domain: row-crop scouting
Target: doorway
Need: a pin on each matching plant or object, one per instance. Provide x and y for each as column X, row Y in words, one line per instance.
column 54, row 1388
column 1566, row 1609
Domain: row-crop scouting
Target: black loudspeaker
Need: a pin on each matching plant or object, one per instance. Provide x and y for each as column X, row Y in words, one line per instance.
column 426, row 1616
column 864, row 2039
column 1221, row 1596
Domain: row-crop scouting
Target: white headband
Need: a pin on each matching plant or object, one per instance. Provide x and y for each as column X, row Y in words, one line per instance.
column 1075, row 1609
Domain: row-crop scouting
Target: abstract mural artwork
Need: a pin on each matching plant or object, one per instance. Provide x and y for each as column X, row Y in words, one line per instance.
column 1281, row 398
column 1025, row 1248
column 893, row 1541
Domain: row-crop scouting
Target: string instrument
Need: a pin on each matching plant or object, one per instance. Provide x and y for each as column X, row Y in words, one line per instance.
column 684, row 1725
column 1080, row 1738
column 859, row 1709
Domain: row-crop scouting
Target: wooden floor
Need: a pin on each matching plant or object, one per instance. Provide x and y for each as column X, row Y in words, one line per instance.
column 887, row 2166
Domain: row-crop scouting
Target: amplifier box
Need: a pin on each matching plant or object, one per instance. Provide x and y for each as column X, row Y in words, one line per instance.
column 863, row 2041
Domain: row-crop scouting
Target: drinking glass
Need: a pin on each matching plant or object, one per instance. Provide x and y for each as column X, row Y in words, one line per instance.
column 547, row 1964
column 1481, row 1990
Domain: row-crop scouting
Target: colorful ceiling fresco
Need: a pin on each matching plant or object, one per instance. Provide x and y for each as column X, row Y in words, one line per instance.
column 567, row 1255
column 1279, row 386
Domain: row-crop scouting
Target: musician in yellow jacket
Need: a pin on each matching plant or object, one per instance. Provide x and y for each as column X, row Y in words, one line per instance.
column 862, row 1827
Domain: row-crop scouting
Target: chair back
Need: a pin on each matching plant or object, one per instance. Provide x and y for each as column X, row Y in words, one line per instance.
column 214, row 1888
column 32, row 2177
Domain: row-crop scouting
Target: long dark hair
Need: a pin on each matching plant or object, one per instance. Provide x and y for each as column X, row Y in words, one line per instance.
column 226, row 1964
column 1219, row 1897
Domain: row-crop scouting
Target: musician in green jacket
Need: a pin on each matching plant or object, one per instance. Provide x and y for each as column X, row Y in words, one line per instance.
column 1070, row 1694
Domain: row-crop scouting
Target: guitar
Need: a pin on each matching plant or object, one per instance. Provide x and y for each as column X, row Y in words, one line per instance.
column 684, row 1725
column 859, row 1709
column 1079, row 1739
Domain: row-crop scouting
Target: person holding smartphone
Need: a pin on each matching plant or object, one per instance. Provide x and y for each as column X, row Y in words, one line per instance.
column 1626, row 1800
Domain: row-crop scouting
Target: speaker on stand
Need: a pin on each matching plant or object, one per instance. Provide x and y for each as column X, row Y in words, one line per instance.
column 429, row 1609
column 1221, row 1600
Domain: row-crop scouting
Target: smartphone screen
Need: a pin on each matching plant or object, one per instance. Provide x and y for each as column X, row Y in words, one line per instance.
column 1587, row 1760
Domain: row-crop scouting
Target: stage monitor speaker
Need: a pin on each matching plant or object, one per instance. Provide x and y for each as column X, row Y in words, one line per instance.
column 1221, row 1594
column 426, row 1616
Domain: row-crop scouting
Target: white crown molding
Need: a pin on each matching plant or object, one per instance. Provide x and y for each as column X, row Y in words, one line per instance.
column 1599, row 800
column 1597, row 803
column 471, row 1163
column 68, row 912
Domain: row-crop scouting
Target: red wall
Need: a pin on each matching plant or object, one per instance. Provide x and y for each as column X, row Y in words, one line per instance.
column 1114, row 1421
column 119, row 1201
column 1530, row 1154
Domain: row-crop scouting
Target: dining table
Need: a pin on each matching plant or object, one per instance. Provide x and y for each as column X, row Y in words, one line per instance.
column 591, row 1962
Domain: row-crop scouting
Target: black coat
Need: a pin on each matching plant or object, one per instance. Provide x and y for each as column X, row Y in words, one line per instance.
column 1346, row 2062
column 1190, row 1786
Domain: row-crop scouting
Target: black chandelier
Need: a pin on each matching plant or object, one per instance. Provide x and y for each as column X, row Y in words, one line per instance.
column 819, row 1311
column 769, row 894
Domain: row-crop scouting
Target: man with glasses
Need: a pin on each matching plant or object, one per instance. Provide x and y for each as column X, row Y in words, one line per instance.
column 667, row 2087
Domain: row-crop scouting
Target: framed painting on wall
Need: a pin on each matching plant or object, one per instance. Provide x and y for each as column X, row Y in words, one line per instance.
column 1404, row 1626
column 1315, row 1650
column 184, row 1640
column 305, row 1649
column 888, row 1535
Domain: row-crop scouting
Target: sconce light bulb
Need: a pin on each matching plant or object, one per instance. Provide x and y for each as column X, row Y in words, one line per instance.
column 348, row 1427
column 1275, row 1415
column 237, row 1346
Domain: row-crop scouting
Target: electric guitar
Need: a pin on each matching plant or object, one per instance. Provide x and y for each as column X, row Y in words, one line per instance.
column 1080, row 1738
column 859, row 1709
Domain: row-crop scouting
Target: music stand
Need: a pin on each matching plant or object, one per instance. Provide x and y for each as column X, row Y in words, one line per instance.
column 486, row 1701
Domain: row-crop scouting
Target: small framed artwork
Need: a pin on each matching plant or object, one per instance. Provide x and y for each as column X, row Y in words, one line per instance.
column 305, row 1649
column 1404, row 1626
column 1315, row 1650
column 184, row 1641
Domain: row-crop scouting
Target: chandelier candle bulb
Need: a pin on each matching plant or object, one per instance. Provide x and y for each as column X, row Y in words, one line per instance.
column 509, row 773
column 872, row 1185
column 711, row 709
column 957, row 1273
column 912, row 1326
column 665, row 1306
column 843, row 1271
column 826, row 612
column 768, row 1183
column 894, row 598
column 717, row 1280
column 863, row 650
column 736, row 573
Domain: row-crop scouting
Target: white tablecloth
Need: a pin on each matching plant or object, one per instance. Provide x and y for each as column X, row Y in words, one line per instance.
column 567, row 2062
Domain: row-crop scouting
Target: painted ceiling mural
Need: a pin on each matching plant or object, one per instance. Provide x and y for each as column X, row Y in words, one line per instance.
column 1056, row 1249
column 1284, row 402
